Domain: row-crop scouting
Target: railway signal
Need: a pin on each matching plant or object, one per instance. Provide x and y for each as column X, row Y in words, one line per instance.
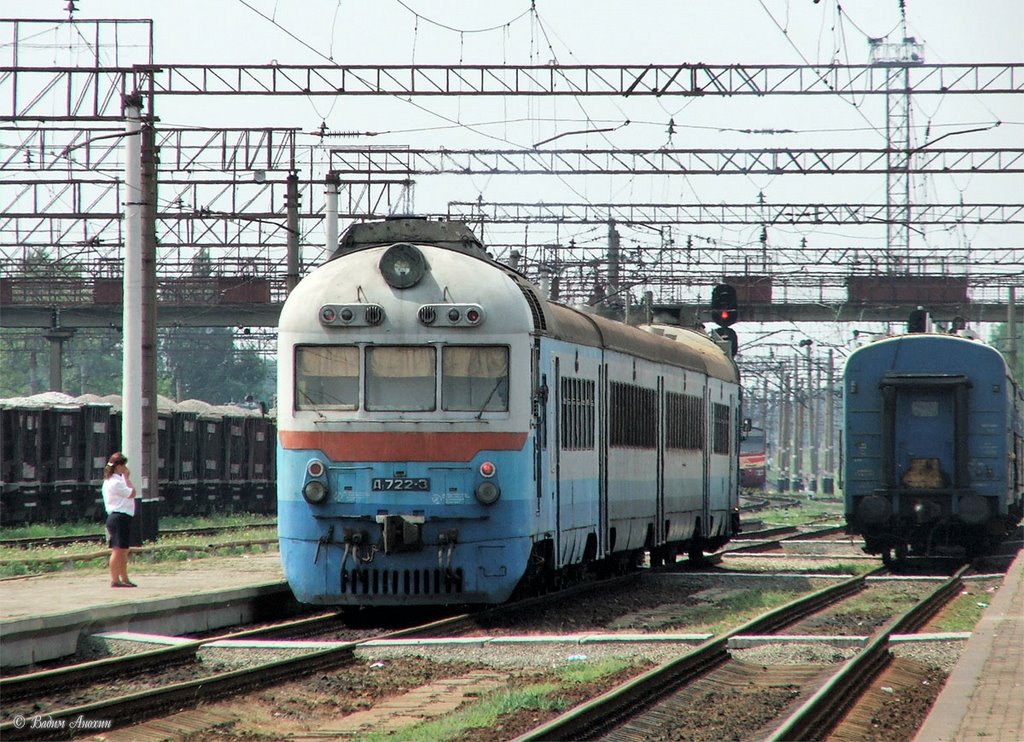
column 725, row 311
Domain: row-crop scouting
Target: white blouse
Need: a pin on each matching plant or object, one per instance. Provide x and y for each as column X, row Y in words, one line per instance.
column 117, row 495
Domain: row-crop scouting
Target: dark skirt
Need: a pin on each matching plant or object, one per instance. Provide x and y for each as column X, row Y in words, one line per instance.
column 119, row 526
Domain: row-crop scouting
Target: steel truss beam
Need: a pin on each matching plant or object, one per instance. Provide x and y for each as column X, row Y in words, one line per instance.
column 406, row 162
column 583, row 213
column 200, row 151
column 95, row 92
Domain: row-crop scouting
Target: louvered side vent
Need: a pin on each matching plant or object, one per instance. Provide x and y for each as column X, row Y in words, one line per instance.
column 539, row 322
column 427, row 315
column 374, row 314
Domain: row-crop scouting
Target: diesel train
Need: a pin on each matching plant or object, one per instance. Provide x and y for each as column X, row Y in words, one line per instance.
column 447, row 435
column 212, row 458
column 934, row 445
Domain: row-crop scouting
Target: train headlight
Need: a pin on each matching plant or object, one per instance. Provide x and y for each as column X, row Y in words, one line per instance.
column 314, row 491
column 402, row 266
column 487, row 493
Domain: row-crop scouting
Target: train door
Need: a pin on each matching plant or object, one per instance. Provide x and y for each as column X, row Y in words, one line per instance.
column 921, row 418
column 575, row 452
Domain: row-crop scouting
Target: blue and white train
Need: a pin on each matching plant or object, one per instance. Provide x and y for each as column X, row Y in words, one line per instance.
column 447, row 435
column 934, row 445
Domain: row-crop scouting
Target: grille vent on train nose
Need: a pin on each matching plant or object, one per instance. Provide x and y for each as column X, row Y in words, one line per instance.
column 427, row 315
column 374, row 314
column 401, row 582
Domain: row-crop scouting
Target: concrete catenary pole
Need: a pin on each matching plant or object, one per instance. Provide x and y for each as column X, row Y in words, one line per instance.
column 150, row 461
column 1011, row 331
column 828, row 481
column 784, row 434
column 131, row 372
column 292, row 207
column 331, row 184
column 797, row 468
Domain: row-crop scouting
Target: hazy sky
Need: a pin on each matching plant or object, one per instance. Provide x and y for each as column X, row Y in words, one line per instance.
column 597, row 32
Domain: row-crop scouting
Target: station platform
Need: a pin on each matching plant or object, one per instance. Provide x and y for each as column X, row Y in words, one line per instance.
column 984, row 695
column 45, row 617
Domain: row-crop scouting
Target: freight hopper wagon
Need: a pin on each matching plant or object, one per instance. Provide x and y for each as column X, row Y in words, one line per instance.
column 446, row 434
column 934, row 454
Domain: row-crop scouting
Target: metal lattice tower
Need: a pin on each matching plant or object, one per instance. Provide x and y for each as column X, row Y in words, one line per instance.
column 897, row 58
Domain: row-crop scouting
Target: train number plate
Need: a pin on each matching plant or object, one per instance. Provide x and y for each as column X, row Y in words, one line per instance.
column 401, row 484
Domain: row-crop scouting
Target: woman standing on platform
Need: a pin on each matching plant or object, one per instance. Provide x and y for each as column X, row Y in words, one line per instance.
column 119, row 500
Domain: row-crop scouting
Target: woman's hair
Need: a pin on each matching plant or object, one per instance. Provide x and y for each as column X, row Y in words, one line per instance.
column 116, row 459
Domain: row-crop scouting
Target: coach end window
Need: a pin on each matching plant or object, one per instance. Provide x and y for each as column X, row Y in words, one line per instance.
column 401, row 378
column 474, row 378
column 326, row 377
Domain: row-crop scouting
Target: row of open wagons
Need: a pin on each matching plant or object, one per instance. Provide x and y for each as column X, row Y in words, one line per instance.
column 212, row 458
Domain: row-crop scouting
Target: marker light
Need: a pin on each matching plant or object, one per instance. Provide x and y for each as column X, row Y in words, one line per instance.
column 315, row 468
column 487, row 469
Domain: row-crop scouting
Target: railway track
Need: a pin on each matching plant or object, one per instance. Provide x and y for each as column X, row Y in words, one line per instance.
column 44, row 694
column 632, row 709
column 100, row 538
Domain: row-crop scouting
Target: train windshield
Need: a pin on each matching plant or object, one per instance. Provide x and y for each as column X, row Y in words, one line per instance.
column 753, row 443
column 474, row 378
column 327, row 377
column 401, row 378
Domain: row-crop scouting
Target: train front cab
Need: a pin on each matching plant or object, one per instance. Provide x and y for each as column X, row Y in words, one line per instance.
column 941, row 465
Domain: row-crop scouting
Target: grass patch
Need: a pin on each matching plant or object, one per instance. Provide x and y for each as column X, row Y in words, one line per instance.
column 730, row 610
column 964, row 611
column 806, row 512
column 842, row 569
column 541, row 697
column 167, row 522
column 168, row 548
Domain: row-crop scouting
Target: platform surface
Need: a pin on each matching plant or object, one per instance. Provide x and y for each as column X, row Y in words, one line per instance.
column 983, row 698
column 62, row 592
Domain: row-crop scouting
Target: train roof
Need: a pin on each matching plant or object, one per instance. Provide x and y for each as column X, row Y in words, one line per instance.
column 934, row 352
column 661, row 343
column 451, row 235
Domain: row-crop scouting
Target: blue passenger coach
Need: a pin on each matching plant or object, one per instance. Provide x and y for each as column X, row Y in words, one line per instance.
column 933, row 444
column 448, row 435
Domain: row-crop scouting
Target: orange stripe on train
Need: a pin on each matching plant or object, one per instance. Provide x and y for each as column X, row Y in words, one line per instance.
column 372, row 446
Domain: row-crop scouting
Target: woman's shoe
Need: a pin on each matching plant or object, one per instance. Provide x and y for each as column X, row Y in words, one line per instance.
column 128, row 583
column 120, row 584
